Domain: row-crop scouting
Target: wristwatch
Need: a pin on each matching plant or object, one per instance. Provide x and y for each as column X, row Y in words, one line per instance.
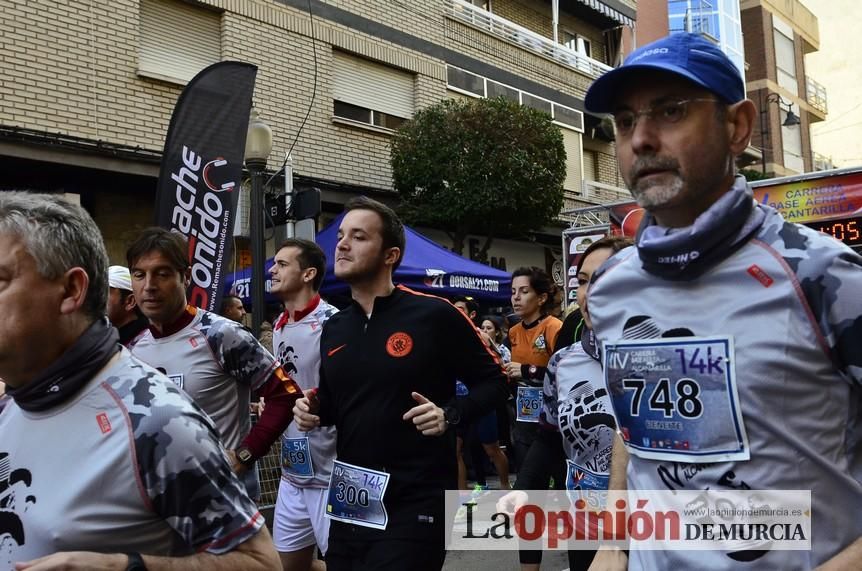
column 451, row 415
column 136, row 562
column 244, row 455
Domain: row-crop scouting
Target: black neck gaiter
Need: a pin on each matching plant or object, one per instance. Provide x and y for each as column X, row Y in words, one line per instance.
column 65, row 376
column 687, row 253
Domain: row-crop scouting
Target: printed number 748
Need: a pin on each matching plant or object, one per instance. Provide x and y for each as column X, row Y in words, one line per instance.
column 687, row 402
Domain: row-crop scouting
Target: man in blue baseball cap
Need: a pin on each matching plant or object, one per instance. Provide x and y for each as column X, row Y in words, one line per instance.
column 759, row 320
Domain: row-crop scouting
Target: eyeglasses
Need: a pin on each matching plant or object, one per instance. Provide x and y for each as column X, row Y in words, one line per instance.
column 665, row 113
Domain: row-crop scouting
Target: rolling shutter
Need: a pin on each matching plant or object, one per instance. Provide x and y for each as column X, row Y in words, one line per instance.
column 177, row 40
column 572, row 142
column 372, row 86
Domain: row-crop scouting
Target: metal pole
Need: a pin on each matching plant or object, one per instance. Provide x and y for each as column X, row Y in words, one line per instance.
column 290, row 226
column 764, row 130
column 555, row 19
column 256, row 169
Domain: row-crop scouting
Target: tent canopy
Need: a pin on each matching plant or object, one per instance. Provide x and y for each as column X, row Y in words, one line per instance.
column 425, row 266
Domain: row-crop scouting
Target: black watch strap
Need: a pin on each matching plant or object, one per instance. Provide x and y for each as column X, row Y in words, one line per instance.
column 136, row 562
column 451, row 415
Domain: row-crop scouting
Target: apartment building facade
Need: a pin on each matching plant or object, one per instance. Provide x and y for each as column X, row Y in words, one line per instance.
column 777, row 35
column 88, row 89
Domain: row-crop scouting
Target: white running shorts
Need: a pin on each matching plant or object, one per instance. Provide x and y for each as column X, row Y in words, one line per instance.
column 300, row 519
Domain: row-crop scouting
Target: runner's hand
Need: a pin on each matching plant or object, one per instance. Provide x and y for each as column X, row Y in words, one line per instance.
column 75, row 560
column 610, row 560
column 513, row 370
column 238, row 467
column 305, row 409
column 428, row 417
column 512, row 502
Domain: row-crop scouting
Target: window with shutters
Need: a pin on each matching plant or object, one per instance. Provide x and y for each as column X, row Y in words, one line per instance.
column 177, row 40
column 474, row 85
column 785, row 56
column 572, row 143
column 591, row 162
column 371, row 93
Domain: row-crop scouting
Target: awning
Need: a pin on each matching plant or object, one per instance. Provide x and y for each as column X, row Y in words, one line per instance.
column 621, row 14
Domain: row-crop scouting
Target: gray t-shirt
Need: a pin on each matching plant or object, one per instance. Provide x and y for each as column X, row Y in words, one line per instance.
column 131, row 464
column 789, row 301
column 218, row 363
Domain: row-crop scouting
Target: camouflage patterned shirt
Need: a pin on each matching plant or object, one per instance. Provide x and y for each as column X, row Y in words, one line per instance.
column 129, row 464
column 218, row 363
column 789, row 299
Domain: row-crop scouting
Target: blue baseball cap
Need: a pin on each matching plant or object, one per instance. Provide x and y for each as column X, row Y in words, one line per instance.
column 690, row 56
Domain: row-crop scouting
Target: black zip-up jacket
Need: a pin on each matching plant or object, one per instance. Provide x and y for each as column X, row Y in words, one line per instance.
column 369, row 367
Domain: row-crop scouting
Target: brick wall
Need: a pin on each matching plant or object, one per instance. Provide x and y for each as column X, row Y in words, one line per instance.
column 609, row 172
column 758, row 44
column 652, row 23
column 78, row 73
column 72, row 68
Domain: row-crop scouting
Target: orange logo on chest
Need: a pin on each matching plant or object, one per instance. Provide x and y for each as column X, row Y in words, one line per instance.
column 399, row 344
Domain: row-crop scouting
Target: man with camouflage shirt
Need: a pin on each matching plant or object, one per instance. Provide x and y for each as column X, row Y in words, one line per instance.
column 215, row 360
column 102, row 458
column 754, row 323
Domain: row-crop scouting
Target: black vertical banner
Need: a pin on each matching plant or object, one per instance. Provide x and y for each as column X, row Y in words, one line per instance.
column 201, row 171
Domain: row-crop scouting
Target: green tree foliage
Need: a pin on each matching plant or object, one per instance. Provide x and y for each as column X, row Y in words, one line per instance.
column 479, row 166
column 752, row 175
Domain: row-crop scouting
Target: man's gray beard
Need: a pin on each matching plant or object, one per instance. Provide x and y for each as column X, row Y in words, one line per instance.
column 657, row 194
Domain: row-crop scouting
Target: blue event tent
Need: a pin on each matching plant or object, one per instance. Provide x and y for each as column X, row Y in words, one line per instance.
column 426, row 267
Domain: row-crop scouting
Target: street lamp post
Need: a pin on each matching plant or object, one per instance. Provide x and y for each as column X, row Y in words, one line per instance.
column 790, row 121
column 258, row 146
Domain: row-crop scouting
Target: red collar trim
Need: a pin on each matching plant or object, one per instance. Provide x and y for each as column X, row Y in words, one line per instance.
column 184, row 319
column 299, row 314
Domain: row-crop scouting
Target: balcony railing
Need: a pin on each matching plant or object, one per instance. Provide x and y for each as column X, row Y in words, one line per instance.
column 822, row 162
column 513, row 33
column 816, row 94
column 600, row 193
column 592, row 193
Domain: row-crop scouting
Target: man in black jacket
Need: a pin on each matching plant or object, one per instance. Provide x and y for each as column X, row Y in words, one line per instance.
column 388, row 367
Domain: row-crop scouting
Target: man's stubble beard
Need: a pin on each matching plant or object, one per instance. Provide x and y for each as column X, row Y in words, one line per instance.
column 367, row 273
column 653, row 195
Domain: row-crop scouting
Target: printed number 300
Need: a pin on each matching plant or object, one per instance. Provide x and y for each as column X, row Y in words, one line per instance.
column 687, row 402
column 352, row 496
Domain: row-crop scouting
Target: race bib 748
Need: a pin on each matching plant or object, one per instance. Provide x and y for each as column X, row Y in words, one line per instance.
column 676, row 399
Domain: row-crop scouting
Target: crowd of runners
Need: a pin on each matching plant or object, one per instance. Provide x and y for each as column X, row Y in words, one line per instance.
column 126, row 434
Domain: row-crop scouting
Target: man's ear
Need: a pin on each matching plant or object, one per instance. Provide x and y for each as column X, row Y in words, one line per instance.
column 392, row 255
column 187, row 277
column 308, row 274
column 130, row 302
column 76, row 284
column 741, row 119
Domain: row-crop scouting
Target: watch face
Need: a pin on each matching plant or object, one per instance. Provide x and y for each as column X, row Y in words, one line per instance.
column 244, row 455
